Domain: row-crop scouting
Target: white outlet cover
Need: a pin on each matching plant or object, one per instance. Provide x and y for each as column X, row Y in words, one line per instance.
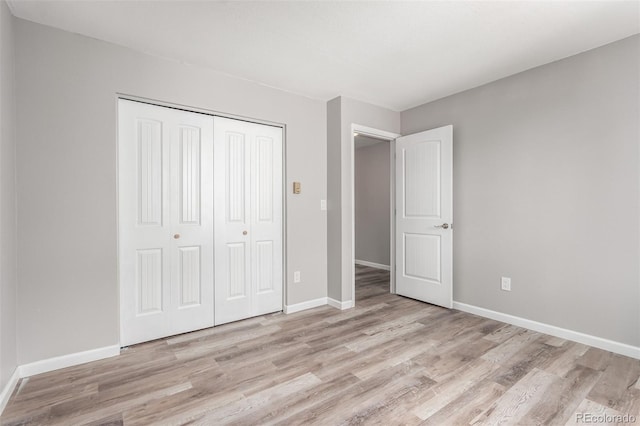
column 296, row 277
column 505, row 283
column 323, row 204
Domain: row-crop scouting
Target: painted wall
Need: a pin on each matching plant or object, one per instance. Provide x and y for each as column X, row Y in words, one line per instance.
column 373, row 203
column 66, row 112
column 334, row 187
column 341, row 114
column 546, row 191
column 8, row 241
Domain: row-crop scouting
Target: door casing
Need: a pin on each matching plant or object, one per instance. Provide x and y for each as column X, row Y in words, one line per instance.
column 383, row 134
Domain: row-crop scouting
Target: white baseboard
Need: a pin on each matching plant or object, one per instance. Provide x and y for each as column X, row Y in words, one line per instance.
column 372, row 264
column 587, row 339
column 8, row 389
column 340, row 305
column 51, row 364
column 289, row 309
column 69, row 360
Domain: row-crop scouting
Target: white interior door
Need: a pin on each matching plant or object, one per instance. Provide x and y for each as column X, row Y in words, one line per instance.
column 424, row 212
column 248, row 219
column 165, row 180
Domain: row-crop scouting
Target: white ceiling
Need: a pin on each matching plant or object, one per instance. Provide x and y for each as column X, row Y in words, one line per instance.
column 393, row 54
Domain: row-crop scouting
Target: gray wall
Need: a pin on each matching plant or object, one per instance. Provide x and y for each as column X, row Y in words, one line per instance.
column 373, row 203
column 334, row 187
column 546, row 188
column 341, row 114
column 66, row 111
column 8, row 242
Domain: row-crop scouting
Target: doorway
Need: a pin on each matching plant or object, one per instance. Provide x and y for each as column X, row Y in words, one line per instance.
column 372, row 206
column 368, row 138
column 421, row 213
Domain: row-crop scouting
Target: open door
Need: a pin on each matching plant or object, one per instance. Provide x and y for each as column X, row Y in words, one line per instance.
column 424, row 212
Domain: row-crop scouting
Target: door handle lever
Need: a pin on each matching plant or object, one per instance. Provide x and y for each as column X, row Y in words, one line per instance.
column 443, row 226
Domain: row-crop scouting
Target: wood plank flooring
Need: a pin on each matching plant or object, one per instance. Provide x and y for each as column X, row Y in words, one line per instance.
column 390, row 360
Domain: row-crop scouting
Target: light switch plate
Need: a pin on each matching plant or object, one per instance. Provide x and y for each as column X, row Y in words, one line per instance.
column 505, row 283
column 297, row 188
column 323, row 204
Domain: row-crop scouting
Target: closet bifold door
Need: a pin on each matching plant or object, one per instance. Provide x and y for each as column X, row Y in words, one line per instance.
column 248, row 219
column 165, row 228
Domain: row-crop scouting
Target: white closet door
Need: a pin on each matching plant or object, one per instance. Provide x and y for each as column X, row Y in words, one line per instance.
column 192, row 289
column 165, row 180
column 248, row 219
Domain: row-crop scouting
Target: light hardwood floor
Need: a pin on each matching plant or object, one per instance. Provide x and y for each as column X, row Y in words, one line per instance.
column 390, row 360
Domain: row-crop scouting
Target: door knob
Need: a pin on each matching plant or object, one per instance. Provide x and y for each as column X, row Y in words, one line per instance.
column 176, row 236
column 244, row 232
column 443, row 226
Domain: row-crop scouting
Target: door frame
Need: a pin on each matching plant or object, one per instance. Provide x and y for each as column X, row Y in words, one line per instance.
column 213, row 113
column 391, row 139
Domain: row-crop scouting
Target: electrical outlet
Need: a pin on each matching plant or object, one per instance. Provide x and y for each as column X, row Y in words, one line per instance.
column 505, row 283
column 323, row 204
column 296, row 277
